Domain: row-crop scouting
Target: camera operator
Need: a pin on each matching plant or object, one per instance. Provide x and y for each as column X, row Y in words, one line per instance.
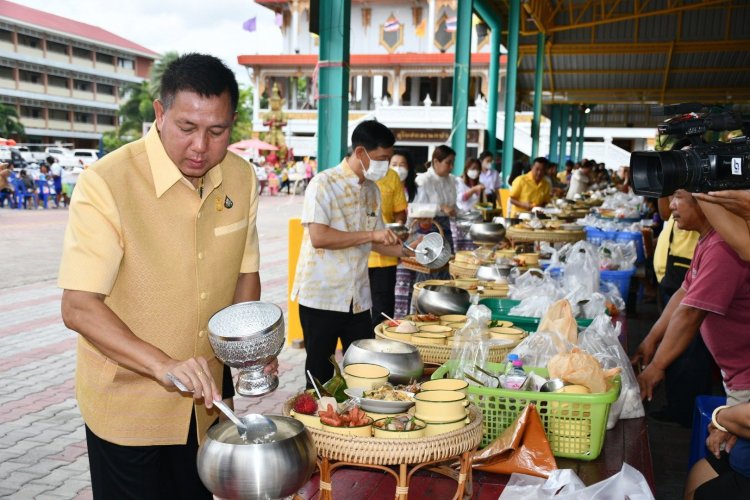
column 729, row 214
column 714, row 296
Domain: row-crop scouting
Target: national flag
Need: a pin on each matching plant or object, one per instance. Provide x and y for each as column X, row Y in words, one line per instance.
column 279, row 19
column 391, row 24
column 450, row 24
column 250, row 24
column 421, row 28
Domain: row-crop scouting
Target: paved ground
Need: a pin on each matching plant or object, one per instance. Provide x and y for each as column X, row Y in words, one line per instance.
column 42, row 443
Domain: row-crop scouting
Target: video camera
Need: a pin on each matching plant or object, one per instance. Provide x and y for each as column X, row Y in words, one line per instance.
column 701, row 167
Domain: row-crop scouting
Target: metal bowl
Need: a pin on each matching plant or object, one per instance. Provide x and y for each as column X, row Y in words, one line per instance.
column 401, row 359
column 442, row 299
column 401, row 230
column 493, row 272
column 232, row 468
column 487, row 232
column 248, row 336
column 433, row 251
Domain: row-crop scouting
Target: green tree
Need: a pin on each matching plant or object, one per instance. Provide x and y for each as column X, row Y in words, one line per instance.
column 137, row 108
column 243, row 127
column 157, row 71
column 9, row 122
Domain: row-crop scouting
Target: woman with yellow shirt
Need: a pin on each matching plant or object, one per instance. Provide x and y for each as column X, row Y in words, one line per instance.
column 382, row 269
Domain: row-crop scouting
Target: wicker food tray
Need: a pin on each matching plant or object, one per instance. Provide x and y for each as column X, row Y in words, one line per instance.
column 380, row 451
column 517, row 234
column 442, row 353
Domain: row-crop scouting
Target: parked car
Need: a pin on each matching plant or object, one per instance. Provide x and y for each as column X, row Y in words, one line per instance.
column 86, row 156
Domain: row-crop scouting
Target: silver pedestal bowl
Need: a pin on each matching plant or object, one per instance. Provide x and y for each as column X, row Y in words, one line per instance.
column 248, row 336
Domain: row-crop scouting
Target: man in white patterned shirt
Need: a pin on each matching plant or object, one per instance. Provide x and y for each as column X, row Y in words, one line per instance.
column 343, row 223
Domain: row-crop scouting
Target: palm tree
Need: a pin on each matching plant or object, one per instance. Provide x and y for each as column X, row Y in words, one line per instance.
column 9, row 122
column 137, row 109
column 157, row 71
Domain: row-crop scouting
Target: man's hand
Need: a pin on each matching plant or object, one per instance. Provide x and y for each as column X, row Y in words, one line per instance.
column 385, row 237
column 272, row 368
column 717, row 438
column 649, row 379
column 736, row 201
column 448, row 210
column 195, row 375
column 644, row 354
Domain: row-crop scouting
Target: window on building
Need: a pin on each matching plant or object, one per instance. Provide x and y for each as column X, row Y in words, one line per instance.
column 82, row 85
column 31, row 112
column 445, row 34
column 6, row 36
column 105, row 120
column 30, row 41
column 102, row 88
column 57, row 48
column 81, row 53
column 83, row 117
column 57, row 81
column 59, row 115
column 125, row 63
column 104, row 58
column 30, row 77
column 6, row 73
column 391, row 34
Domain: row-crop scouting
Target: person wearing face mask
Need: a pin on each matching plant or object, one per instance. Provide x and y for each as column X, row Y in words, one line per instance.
column 489, row 177
column 468, row 193
column 402, row 163
column 343, row 222
column 382, row 268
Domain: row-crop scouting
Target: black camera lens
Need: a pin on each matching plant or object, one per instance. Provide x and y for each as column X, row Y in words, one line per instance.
column 661, row 173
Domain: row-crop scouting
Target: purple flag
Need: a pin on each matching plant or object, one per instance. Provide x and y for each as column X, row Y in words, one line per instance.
column 249, row 25
column 279, row 20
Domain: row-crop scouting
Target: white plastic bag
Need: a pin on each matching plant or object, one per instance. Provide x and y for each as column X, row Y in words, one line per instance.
column 582, row 268
column 537, row 349
column 564, row 484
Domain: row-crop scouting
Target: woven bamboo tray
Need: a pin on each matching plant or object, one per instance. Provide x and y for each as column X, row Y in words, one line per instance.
column 442, row 353
column 380, row 451
column 517, row 234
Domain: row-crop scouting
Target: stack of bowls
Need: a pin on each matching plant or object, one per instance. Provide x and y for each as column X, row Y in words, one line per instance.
column 365, row 376
column 507, row 333
column 442, row 410
column 432, row 335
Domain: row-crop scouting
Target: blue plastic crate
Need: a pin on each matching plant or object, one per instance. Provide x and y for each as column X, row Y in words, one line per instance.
column 637, row 238
column 621, row 279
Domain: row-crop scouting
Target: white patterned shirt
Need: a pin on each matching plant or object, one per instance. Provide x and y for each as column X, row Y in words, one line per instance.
column 436, row 190
column 334, row 280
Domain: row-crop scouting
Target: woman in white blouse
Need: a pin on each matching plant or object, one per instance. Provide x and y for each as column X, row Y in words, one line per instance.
column 438, row 187
column 468, row 188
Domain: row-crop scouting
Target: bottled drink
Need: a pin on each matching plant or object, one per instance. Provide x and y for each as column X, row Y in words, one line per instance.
column 515, row 377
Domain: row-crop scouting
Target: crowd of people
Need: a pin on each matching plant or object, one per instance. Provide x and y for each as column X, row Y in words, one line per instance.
column 37, row 188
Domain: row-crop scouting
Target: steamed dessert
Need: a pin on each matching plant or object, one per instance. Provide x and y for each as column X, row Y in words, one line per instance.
column 406, row 327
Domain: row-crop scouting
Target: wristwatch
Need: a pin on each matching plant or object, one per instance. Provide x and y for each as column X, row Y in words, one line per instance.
column 713, row 418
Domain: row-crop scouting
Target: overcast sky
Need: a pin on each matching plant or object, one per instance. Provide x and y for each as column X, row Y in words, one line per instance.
column 213, row 26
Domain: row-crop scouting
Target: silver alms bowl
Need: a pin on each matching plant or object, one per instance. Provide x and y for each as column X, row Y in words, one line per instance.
column 487, row 232
column 248, row 336
column 442, row 299
column 232, row 468
column 402, row 360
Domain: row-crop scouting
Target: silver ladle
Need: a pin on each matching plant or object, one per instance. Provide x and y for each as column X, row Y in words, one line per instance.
column 261, row 426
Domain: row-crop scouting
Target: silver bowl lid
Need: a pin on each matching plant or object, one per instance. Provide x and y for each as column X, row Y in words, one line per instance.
column 246, row 319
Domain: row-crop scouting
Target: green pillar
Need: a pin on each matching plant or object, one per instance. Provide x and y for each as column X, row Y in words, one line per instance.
column 580, row 136
column 538, row 86
column 333, row 81
column 461, row 76
column 576, row 115
column 492, row 88
column 514, row 21
column 564, row 132
column 554, row 133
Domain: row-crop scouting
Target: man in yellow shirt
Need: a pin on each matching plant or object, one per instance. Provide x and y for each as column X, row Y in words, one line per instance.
column 382, row 268
column 161, row 235
column 530, row 190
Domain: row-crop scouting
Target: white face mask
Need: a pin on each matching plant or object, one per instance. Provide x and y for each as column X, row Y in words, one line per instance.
column 472, row 174
column 402, row 172
column 486, row 166
column 377, row 170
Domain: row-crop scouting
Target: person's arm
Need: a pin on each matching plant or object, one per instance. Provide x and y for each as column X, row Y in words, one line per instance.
column 248, row 288
column 648, row 346
column 326, row 237
column 521, row 204
column 729, row 214
column 87, row 314
column 396, row 250
column 472, row 191
column 682, row 328
column 400, row 216
column 735, row 419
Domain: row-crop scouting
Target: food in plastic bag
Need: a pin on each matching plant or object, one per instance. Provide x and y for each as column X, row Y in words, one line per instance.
column 467, row 342
column 564, row 484
column 580, row 368
column 601, row 340
column 539, row 348
column 617, row 256
column 533, row 307
column 582, row 267
column 559, row 318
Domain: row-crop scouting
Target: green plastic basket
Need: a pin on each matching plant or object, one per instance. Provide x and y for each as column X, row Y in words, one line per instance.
column 575, row 424
column 500, row 311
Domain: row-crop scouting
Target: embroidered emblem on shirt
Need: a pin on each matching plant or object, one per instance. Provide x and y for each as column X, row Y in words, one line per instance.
column 219, row 206
column 228, row 203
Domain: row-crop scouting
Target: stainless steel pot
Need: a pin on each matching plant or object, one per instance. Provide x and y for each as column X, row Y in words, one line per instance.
column 433, row 251
column 231, row 468
column 492, row 272
column 401, row 359
column 442, row 300
column 487, row 232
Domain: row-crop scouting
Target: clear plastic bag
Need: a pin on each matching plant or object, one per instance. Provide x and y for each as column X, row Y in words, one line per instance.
column 534, row 306
column 564, row 484
column 467, row 341
column 582, row 268
column 601, row 340
column 537, row 349
column 617, row 256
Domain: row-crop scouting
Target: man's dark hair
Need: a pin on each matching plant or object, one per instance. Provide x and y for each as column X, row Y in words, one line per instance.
column 542, row 160
column 50, row 160
column 203, row 74
column 569, row 163
column 371, row 134
column 485, row 154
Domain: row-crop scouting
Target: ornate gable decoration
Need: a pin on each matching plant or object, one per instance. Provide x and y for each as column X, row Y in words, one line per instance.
column 391, row 34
